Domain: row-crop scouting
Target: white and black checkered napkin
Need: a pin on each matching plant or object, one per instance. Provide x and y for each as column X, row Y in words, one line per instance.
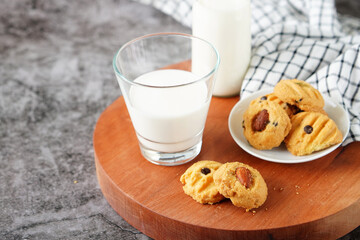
column 303, row 39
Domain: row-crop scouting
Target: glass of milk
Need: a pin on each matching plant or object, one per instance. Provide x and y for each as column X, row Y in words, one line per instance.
column 168, row 106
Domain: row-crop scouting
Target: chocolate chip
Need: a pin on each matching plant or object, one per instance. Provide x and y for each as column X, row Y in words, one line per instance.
column 275, row 123
column 294, row 109
column 263, row 98
column 260, row 120
column 205, row 171
column 308, row 129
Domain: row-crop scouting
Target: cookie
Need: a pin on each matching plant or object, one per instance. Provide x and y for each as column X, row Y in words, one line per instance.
column 241, row 183
column 310, row 132
column 199, row 184
column 300, row 95
column 265, row 124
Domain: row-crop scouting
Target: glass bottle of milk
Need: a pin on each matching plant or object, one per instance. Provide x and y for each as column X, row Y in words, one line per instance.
column 225, row 24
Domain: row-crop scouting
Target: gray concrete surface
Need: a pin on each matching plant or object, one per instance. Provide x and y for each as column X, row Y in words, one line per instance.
column 55, row 80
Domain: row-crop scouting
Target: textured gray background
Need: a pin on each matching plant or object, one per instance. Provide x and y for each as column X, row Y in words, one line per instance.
column 55, row 80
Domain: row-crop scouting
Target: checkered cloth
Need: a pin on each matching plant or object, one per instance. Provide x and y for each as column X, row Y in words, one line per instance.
column 303, row 39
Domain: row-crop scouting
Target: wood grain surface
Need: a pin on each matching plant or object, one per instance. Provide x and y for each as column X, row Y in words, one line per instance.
column 314, row 200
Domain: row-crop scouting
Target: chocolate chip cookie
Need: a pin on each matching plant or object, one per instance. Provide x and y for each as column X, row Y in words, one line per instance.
column 199, row 184
column 310, row 132
column 299, row 95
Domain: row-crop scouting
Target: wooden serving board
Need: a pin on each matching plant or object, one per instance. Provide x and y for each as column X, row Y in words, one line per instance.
column 314, row 200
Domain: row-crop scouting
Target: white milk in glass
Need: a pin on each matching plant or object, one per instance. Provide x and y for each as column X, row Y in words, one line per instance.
column 168, row 119
column 225, row 24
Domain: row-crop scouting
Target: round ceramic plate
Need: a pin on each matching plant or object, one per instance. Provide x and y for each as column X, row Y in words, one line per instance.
column 281, row 154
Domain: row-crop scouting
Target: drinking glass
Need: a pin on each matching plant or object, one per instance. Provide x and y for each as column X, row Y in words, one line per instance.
column 167, row 98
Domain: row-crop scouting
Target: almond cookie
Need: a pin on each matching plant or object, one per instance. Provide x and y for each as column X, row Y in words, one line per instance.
column 310, row 132
column 241, row 183
column 265, row 124
column 300, row 95
column 199, row 184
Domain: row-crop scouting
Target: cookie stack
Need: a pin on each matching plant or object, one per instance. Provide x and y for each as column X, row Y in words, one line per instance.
column 209, row 182
column 293, row 114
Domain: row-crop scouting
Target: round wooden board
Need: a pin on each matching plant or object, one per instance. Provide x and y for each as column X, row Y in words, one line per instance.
column 314, row 200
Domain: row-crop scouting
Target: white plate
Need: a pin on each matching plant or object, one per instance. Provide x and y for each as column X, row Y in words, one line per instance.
column 281, row 154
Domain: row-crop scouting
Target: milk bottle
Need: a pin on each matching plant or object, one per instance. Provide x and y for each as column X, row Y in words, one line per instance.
column 225, row 24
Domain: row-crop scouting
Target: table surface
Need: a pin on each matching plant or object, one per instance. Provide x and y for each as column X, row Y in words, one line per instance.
column 56, row 78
